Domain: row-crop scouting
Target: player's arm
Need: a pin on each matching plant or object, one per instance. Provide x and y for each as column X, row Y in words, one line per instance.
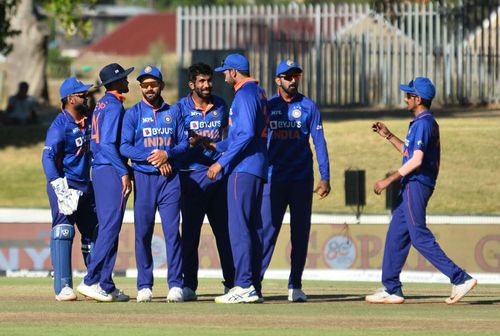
column 182, row 138
column 245, row 131
column 384, row 132
column 109, row 129
column 54, row 145
column 411, row 165
column 159, row 157
column 316, row 127
column 127, row 147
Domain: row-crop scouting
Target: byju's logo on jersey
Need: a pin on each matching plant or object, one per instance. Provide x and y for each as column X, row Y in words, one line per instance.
column 146, row 120
column 79, row 142
column 146, row 132
column 281, row 124
column 194, row 125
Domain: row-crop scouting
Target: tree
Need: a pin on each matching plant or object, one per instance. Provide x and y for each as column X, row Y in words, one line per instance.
column 24, row 36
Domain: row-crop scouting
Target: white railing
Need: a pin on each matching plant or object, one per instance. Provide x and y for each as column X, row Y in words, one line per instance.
column 352, row 55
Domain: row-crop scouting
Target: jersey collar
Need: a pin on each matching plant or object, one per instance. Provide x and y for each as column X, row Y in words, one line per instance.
column 242, row 82
column 192, row 104
column 118, row 95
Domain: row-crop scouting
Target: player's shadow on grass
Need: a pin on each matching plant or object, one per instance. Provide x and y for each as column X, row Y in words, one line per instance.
column 319, row 298
column 483, row 302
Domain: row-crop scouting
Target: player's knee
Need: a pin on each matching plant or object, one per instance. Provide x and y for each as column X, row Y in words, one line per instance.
column 63, row 232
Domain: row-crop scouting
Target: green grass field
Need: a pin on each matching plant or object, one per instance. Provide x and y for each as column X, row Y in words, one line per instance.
column 27, row 306
column 469, row 181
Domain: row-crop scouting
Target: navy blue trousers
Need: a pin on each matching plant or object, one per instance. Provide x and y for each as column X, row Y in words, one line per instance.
column 163, row 193
column 110, row 206
column 201, row 196
column 244, row 200
column 277, row 196
column 408, row 228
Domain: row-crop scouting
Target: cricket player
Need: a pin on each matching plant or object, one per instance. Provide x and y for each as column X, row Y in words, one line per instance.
column 293, row 119
column 111, row 181
column 244, row 159
column 153, row 137
column 66, row 163
column 418, row 174
column 206, row 117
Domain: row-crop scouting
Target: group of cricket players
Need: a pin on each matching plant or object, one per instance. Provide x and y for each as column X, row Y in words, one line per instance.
column 241, row 167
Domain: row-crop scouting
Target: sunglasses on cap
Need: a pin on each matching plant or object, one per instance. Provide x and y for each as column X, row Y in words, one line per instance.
column 146, row 85
column 288, row 78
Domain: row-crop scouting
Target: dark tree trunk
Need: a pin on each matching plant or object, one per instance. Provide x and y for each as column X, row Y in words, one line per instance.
column 27, row 61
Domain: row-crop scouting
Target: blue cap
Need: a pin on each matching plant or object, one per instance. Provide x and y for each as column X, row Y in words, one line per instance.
column 150, row 71
column 234, row 61
column 113, row 72
column 72, row 85
column 286, row 65
column 420, row 86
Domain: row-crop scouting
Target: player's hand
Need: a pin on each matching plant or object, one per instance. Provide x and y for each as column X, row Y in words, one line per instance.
column 381, row 129
column 165, row 169
column 323, row 189
column 381, row 185
column 207, row 143
column 126, row 186
column 214, row 170
column 194, row 139
column 158, row 157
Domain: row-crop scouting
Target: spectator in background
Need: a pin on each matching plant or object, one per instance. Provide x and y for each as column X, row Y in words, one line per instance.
column 21, row 108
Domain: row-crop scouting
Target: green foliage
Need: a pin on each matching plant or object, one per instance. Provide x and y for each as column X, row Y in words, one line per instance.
column 7, row 11
column 66, row 14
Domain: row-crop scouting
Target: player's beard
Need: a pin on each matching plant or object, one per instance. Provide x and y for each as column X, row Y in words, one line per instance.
column 291, row 90
column 152, row 99
column 81, row 108
column 203, row 94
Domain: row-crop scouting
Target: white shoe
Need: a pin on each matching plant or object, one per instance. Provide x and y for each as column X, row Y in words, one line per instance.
column 240, row 295
column 94, row 291
column 144, row 295
column 188, row 294
column 119, row 296
column 296, row 295
column 175, row 294
column 381, row 296
column 66, row 294
column 459, row 291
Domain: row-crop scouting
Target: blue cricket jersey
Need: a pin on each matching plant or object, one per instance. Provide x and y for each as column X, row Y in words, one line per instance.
column 423, row 134
column 245, row 150
column 67, row 151
column 289, row 128
column 146, row 129
column 210, row 123
column 106, row 130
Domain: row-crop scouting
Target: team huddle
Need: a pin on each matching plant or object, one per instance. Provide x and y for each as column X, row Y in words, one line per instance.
column 241, row 167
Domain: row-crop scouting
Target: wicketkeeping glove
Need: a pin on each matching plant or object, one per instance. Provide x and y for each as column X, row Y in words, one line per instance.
column 67, row 199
